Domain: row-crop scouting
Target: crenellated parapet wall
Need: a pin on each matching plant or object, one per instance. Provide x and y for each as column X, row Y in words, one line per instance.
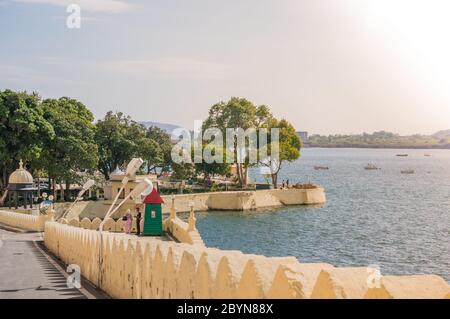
column 127, row 266
column 23, row 221
column 175, row 227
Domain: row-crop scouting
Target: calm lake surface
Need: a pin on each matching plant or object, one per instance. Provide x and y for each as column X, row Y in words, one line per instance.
column 397, row 221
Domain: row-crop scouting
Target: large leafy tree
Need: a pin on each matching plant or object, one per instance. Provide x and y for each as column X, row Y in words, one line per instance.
column 234, row 114
column 287, row 149
column 23, row 130
column 116, row 137
column 209, row 170
column 158, row 153
column 119, row 139
column 73, row 149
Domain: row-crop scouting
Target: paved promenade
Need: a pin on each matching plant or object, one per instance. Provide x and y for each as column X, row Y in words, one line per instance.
column 26, row 271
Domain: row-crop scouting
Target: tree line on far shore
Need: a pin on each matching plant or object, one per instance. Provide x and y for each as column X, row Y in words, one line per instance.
column 382, row 139
column 58, row 139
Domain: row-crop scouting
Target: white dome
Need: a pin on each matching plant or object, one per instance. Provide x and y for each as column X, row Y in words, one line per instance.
column 21, row 176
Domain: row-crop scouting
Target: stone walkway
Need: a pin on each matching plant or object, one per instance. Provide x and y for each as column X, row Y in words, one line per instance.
column 27, row 271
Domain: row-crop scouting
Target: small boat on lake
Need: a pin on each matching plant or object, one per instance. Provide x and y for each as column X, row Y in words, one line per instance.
column 427, row 155
column 370, row 167
column 408, row 171
column 402, row 155
column 317, row 168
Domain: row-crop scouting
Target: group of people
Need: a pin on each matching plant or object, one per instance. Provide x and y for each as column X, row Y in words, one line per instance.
column 128, row 221
column 285, row 184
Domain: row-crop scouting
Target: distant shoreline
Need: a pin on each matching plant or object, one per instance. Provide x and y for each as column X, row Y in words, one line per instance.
column 382, row 140
column 422, row 147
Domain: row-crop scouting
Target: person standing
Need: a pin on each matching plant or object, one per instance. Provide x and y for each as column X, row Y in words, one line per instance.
column 128, row 222
column 138, row 221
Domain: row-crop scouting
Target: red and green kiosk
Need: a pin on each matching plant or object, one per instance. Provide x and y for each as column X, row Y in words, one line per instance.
column 153, row 214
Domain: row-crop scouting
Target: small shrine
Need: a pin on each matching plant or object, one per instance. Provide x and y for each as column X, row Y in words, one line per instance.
column 21, row 188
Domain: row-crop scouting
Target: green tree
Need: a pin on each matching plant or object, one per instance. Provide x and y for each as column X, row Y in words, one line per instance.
column 288, row 149
column 159, row 155
column 73, row 149
column 209, row 170
column 237, row 113
column 119, row 139
column 23, row 130
column 182, row 171
column 116, row 136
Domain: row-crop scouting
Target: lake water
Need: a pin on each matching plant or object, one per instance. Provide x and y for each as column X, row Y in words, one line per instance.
column 396, row 221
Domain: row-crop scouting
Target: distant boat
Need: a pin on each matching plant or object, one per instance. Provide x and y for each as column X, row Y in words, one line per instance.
column 408, row 171
column 370, row 167
column 427, row 155
column 402, row 155
column 320, row 168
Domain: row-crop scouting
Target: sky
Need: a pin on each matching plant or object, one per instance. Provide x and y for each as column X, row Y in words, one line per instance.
column 329, row 67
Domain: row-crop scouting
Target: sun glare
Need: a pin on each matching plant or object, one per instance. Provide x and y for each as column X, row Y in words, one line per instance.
column 418, row 30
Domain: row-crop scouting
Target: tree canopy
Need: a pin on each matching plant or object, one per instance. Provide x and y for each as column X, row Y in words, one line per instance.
column 119, row 139
column 73, row 148
column 288, row 149
column 23, row 130
column 241, row 113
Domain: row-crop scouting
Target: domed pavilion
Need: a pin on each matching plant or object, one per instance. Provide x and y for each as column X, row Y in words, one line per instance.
column 21, row 188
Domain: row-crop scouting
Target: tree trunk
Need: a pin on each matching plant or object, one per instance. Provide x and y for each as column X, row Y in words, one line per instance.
column 54, row 188
column 67, row 193
column 4, row 196
column 244, row 174
column 240, row 174
column 274, row 174
column 61, row 190
column 5, row 177
column 274, row 180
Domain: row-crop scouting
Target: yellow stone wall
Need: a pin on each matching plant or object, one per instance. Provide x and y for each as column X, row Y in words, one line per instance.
column 246, row 200
column 127, row 266
column 23, row 221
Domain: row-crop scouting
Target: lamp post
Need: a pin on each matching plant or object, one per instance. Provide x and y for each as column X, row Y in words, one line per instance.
column 132, row 168
column 85, row 188
column 192, row 219
column 173, row 211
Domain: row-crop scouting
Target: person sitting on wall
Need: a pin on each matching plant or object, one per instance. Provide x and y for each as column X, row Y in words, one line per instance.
column 138, row 221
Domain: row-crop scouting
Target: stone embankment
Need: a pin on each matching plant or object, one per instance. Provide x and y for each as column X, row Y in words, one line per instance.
column 236, row 200
column 248, row 200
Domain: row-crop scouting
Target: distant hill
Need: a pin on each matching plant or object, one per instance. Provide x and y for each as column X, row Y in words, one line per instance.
column 163, row 126
column 442, row 134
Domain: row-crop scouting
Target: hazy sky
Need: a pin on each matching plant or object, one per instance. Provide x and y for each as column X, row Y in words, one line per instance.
column 328, row 66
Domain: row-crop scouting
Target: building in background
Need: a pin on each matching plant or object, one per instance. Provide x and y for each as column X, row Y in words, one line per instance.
column 303, row 136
